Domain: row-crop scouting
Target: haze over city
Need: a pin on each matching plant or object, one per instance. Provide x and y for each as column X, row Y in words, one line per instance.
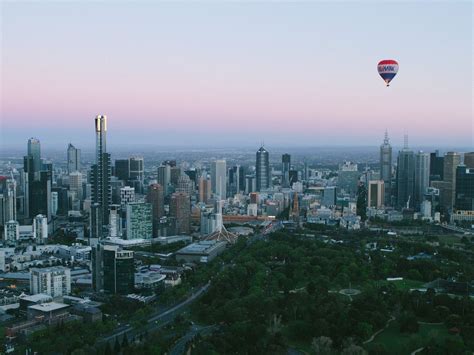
column 236, row 74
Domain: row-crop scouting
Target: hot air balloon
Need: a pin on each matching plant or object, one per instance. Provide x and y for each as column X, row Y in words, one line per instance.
column 387, row 69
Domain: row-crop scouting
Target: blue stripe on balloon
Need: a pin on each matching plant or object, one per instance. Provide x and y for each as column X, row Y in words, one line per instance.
column 389, row 76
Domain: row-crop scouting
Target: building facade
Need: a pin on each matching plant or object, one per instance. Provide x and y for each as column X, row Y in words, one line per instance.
column 54, row 281
column 263, row 174
column 139, row 220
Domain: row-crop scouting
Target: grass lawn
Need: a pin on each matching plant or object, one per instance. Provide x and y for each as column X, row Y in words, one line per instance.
column 404, row 343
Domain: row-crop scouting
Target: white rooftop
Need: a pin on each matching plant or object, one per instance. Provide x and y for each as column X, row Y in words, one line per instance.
column 49, row 307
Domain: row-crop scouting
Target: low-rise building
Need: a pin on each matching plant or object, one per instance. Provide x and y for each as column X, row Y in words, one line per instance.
column 203, row 251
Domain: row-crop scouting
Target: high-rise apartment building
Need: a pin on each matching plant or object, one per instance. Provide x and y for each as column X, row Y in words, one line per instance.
column 127, row 195
column 52, row 281
column 263, row 169
column 40, row 228
column 115, row 221
column 12, row 231
column 137, row 173
column 139, row 220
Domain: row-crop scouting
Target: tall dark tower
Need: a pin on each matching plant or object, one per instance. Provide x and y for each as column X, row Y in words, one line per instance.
column 285, row 170
column 386, row 167
column 263, row 169
column 405, row 177
column 101, row 171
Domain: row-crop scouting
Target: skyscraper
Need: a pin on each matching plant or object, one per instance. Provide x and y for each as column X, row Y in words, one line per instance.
column 236, row 179
column 436, row 166
column 113, row 269
column 139, row 220
column 185, row 184
column 127, row 195
column 451, row 162
column 37, row 183
column 122, row 169
column 469, row 160
column 40, row 195
column 180, row 211
column 34, row 150
column 376, row 194
column 386, row 167
column 164, row 177
column 75, row 183
column 8, row 189
column 137, row 173
column 285, row 170
column 422, row 177
column 263, row 169
column 155, row 197
column 405, row 177
column 101, row 171
column 40, row 228
column 219, row 179
column 204, row 189
column 464, row 188
column 73, row 159
column 115, row 221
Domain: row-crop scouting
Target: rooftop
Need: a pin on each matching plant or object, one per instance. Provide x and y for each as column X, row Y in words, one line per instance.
column 49, row 307
column 36, row 298
column 201, row 247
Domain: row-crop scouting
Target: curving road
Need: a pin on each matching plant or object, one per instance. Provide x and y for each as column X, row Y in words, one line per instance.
column 152, row 322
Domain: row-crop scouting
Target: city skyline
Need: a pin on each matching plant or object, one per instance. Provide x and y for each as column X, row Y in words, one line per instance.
column 203, row 74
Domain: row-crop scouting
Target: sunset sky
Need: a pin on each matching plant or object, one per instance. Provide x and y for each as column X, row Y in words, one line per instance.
column 210, row 73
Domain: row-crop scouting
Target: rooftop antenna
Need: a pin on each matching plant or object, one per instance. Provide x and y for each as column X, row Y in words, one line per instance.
column 405, row 141
column 386, row 137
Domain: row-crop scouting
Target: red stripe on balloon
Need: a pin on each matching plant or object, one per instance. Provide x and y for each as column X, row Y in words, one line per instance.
column 388, row 61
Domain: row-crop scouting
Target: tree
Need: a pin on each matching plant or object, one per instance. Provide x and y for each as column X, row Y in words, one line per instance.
column 408, row 323
column 322, row 345
column 125, row 342
column 108, row 349
column 117, row 346
column 353, row 350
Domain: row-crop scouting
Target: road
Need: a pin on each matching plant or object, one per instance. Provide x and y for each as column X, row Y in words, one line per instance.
column 156, row 321
column 179, row 347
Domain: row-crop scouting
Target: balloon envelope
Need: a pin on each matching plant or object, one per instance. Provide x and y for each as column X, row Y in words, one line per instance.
column 387, row 69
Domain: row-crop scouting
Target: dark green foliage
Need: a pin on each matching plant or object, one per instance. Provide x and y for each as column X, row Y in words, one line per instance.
column 408, row 323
